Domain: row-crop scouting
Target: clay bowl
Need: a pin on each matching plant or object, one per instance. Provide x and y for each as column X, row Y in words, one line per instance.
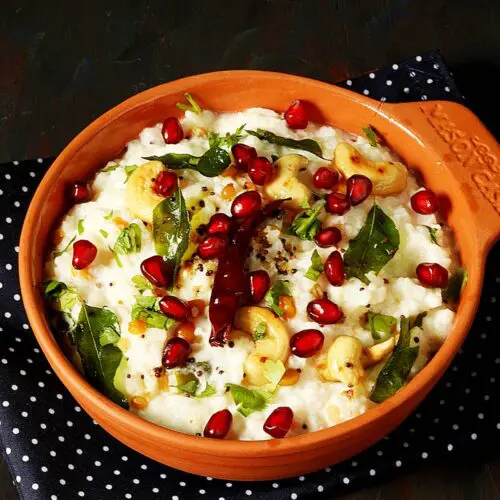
column 457, row 158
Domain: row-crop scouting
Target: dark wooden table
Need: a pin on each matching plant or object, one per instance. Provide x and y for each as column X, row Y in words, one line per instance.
column 63, row 63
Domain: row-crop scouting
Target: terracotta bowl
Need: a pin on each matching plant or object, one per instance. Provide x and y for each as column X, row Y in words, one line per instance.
column 457, row 158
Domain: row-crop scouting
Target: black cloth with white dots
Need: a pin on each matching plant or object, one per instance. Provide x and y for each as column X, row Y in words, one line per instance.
column 55, row 450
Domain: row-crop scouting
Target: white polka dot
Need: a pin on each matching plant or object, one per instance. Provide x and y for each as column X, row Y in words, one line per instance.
column 124, row 458
column 388, row 82
column 69, row 423
column 395, row 67
column 41, row 384
column 7, row 314
column 81, row 494
column 25, row 458
column 136, row 481
column 447, row 89
column 398, row 463
column 276, row 485
column 109, row 487
column 1, row 238
column 372, row 75
column 79, row 451
column 53, row 497
column 430, row 80
column 202, row 492
column 418, row 58
column 51, row 411
column 24, row 189
column 328, row 469
column 53, row 453
column 5, row 404
column 8, row 177
column 248, row 492
column 455, row 427
column 15, row 430
column 473, row 436
column 116, row 472
column 424, row 97
column 145, row 467
column 163, row 476
column 43, row 468
column 34, row 486
column 346, row 480
column 17, row 297
column 320, row 488
column 424, row 455
column 349, row 82
column 17, row 204
column 97, row 463
column 175, row 497
column 71, row 467
column 380, row 453
column 32, row 174
column 8, row 220
column 62, row 481
column 412, row 74
column 480, row 416
column 87, row 436
column 230, row 484
column 155, row 490
column 40, row 160
column 34, row 441
column 18, row 479
column 16, row 248
column 22, row 372
column 372, row 472
column 26, row 327
column 366, row 92
column 383, row 99
column 59, row 396
column 43, row 426
column 302, row 478
column 7, row 450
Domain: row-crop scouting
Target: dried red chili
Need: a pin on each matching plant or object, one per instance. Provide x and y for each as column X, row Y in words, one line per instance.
column 230, row 284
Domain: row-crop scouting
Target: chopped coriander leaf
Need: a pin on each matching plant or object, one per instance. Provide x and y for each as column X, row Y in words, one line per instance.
column 249, row 401
column 306, row 223
column 116, row 257
column 53, row 289
column 273, row 372
column 382, row 326
column 108, row 217
column 260, row 331
column 129, row 240
column 129, row 170
column 192, row 106
column 111, row 166
column 141, row 283
column 433, row 234
column 316, row 268
column 146, row 309
column 229, row 140
column 371, row 135
column 104, row 233
column 272, row 297
column 58, row 253
column 81, row 229
column 207, row 392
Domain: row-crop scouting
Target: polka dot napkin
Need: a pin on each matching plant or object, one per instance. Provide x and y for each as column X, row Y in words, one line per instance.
column 55, row 450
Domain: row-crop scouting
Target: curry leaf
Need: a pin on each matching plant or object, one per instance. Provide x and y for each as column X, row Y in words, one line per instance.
column 141, row 283
column 213, row 162
column 81, row 229
column 272, row 297
column 99, row 361
column 316, row 268
column 382, row 326
column 171, row 229
column 303, row 144
column 373, row 247
column 104, row 233
column 129, row 240
column 306, row 223
column 395, row 372
column 248, row 400
column 107, row 217
column 456, row 284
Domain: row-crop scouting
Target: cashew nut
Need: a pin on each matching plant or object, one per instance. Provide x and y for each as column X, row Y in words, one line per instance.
column 344, row 361
column 274, row 346
column 140, row 198
column 388, row 177
column 372, row 355
column 285, row 183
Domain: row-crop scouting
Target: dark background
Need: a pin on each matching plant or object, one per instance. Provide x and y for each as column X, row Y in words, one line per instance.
column 63, row 63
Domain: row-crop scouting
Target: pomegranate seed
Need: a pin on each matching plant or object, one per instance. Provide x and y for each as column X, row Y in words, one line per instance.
column 259, row 284
column 243, row 154
column 296, row 115
column 334, row 268
column 219, row 223
column 260, row 170
column 359, row 187
column 80, row 192
column 328, row 237
column 84, row 252
column 213, row 246
column 279, row 422
column 174, row 308
column 171, row 131
column 165, row 183
column 155, row 269
column 246, row 204
column 337, row 203
column 218, row 425
column 324, row 312
column 325, row 178
column 176, row 352
column 432, row 275
column 424, row 202
column 306, row 343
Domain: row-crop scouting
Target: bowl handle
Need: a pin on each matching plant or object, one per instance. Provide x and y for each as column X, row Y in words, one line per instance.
column 467, row 148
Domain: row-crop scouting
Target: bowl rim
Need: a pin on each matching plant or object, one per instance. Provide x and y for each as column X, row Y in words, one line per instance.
column 77, row 383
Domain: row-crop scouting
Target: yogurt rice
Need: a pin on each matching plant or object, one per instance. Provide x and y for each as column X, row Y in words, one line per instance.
column 346, row 280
